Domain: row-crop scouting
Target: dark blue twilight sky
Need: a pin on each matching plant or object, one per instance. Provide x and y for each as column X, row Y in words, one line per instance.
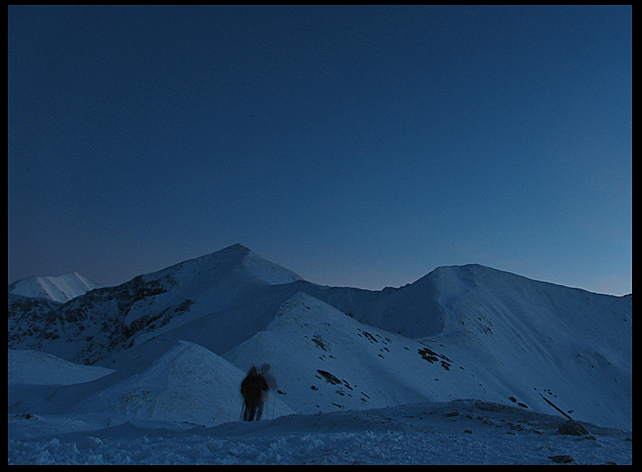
column 359, row 146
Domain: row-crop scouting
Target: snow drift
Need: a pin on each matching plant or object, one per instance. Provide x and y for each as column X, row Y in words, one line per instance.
column 188, row 385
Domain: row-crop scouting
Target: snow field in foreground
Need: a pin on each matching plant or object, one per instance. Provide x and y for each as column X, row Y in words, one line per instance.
column 364, row 447
column 451, row 433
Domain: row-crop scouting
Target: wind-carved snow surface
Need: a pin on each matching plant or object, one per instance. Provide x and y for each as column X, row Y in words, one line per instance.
column 363, row 376
column 459, row 432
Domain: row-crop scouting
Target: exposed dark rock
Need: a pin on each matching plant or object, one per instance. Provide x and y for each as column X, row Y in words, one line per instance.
column 562, row 459
column 572, row 428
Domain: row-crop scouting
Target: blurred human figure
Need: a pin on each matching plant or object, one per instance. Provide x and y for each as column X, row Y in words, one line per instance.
column 252, row 389
column 272, row 386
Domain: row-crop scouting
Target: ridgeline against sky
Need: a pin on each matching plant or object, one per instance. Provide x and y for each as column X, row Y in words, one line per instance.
column 358, row 146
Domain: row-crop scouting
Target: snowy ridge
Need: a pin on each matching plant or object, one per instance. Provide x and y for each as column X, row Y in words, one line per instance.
column 567, row 346
column 336, row 363
column 266, row 271
column 59, row 289
column 93, row 327
column 527, row 367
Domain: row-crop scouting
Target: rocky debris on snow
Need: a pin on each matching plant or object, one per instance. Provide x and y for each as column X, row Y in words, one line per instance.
column 572, row 428
column 562, row 459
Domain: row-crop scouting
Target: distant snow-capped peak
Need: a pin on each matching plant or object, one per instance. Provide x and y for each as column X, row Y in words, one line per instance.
column 60, row 288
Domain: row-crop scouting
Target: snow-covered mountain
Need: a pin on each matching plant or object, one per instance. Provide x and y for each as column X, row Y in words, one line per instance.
column 458, row 332
column 58, row 289
column 543, row 364
column 92, row 327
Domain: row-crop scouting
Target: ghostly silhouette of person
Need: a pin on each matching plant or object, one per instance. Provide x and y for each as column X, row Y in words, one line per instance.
column 272, row 386
column 252, row 388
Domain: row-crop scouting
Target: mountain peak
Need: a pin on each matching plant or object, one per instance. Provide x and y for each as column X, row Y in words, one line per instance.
column 238, row 246
column 247, row 264
column 235, row 259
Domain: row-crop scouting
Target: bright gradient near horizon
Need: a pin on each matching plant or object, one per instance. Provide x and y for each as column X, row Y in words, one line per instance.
column 356, row 146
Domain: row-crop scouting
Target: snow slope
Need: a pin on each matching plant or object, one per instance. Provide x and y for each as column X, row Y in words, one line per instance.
column 330, row 361
column 189, row 385
column 39, row 368
column 59, row 289
column 186, row 386
column 327, row 361
column 548, row 343
column 538, row 342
